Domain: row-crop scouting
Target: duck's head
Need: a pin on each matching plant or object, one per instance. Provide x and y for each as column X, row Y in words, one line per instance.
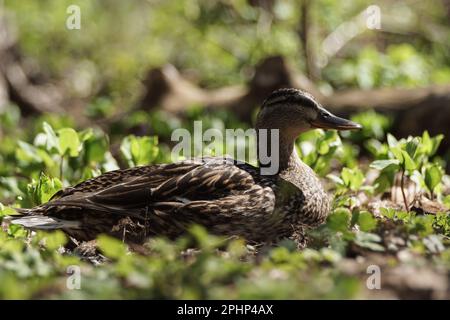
column 293, row 112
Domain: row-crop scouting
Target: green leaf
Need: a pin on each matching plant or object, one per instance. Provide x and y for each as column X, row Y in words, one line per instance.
column 111, row 247
column 51, row 138
column 339, row 220
column 433, row 176
column 203, row 239
column 436, row 142
column 53, row 240
column 388, row 212
column 370, row 241
column 374, row 124
column 27, row 153
column 366, row 221
column 382, row 164
column 85, row 135
column 68, row 142
column 429, row 146
column 398, row 154
column 44, row 188
column 324, row 147
column 392, row 141
column 422, row 225
column 411, row 146
column 408, row 163
column 335, row 179
column 426, row 144
column 376, row 148
column 353, row 178
column 346, row 175
column 6, row 211
column 139, row 150
column 446, row 200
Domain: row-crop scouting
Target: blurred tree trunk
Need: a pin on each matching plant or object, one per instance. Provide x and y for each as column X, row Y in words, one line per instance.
column 306, row 35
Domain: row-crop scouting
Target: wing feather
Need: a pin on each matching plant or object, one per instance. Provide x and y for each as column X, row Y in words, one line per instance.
column 210, row 187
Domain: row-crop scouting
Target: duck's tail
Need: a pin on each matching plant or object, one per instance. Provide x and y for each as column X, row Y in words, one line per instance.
column 32, row 219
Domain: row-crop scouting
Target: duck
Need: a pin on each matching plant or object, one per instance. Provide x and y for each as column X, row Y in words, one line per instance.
column 225, row 196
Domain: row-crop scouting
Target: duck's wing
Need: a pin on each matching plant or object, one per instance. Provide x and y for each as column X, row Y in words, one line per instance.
column 210, row 186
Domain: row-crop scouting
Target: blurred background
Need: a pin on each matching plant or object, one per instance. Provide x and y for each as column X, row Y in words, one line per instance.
column 144, row 68
column 148, row 67
column 227, row 55
column 89, row 86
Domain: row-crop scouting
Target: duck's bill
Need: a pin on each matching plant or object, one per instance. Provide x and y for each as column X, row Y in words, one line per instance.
column 327, row 120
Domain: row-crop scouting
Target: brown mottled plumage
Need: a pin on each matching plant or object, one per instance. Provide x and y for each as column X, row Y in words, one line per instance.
column 225, row 196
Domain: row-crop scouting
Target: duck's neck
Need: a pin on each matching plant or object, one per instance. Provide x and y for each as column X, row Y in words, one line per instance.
column 279, row 147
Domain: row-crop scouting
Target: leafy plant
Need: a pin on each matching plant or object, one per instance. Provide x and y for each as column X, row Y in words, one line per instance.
column 411, row 157
column 44, row 188
column 317, row 148
column 139, row 150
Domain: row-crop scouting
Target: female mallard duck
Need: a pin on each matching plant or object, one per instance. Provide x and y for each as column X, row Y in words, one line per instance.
column 225, row 196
